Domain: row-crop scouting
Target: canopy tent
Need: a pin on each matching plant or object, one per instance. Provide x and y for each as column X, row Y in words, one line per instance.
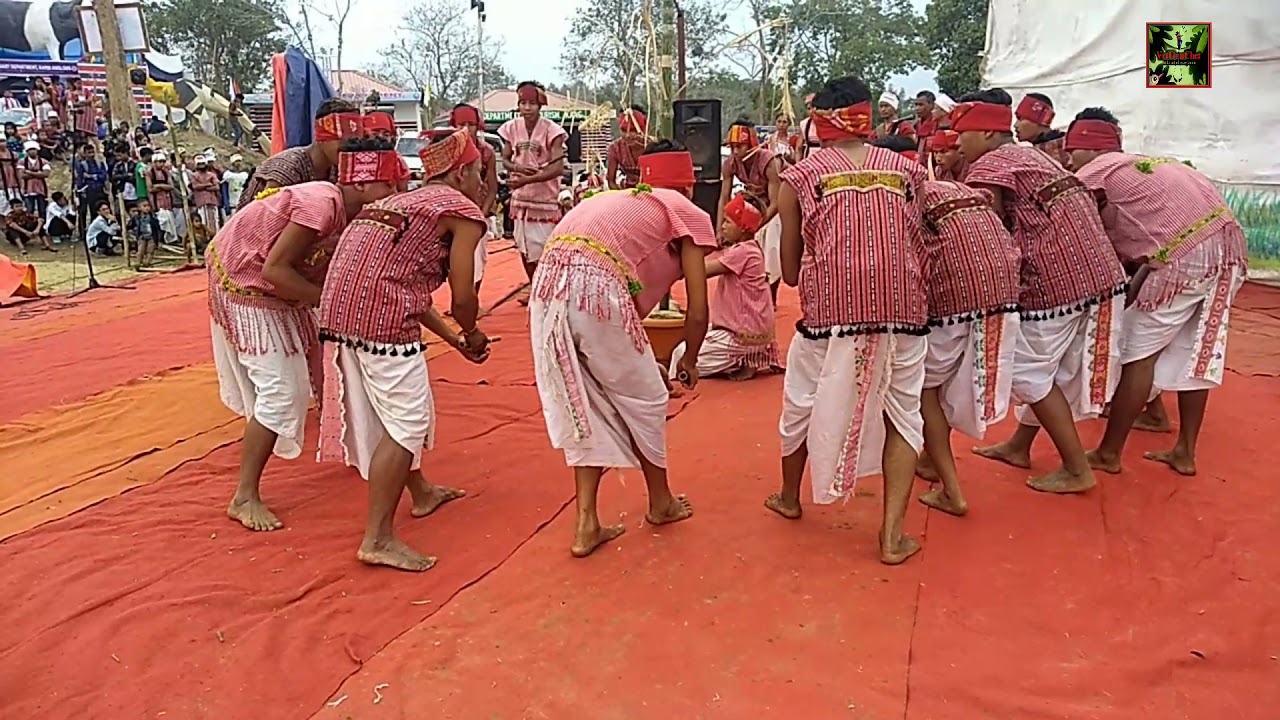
column 1093, row 53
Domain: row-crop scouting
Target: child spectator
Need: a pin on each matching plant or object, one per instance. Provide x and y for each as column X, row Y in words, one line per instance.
column 35, row 179
column 103, row 232
column 206, row 187
column 21, row 228
column 59, row 219
column 145, row 228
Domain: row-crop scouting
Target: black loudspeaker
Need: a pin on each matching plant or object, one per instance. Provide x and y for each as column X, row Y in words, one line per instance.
column 706, row 195
column 573, row 146
column 697, row 126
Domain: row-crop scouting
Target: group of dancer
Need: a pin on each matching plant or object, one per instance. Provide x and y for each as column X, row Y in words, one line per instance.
column 927, row 305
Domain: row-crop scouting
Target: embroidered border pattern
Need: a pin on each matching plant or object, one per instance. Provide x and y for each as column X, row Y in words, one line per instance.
column 1163, row 253
column 862, row 181
column 392, row 221
column 992, row 338
column 634, row 287
column 1049, row 194
column 1214, row 325
column 1098, row 379
column 935, row 215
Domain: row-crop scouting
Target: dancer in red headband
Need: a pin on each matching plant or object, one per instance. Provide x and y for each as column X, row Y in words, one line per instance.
column 1066, row 362
column 948, row 163
column 757, row 168
column 741, row 342
column 266, row 269
column 466, row 117
column 378, row 414
column 851, row 242
column 973, row 319
column 1172, row 225
column 534, row 156
column 336, row 121
column 623, row 156
column 604, row 397
column 382, row 125
column 1033, row 124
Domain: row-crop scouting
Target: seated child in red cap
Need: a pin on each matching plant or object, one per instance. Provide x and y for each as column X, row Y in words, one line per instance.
column 741, row 340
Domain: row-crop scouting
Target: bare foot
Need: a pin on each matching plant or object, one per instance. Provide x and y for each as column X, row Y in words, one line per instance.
column 675, row 511
column 1005, row 453
column 524, row 301
column 1179, row 461
column 900, row 552
column 1147, row 422
column 1062, row 482
column 394, row 554
column 585, row 543
column 785, row 508
column 742, row 373
column 925, row 469
column 254, row 515
column 938, row 499
column 1106, row 463
column 439, row 495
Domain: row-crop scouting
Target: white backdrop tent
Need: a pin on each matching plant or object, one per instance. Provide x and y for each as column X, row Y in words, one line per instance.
column 1093, row 52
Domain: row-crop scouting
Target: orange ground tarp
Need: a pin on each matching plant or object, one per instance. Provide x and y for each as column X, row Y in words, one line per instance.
column 17, row 280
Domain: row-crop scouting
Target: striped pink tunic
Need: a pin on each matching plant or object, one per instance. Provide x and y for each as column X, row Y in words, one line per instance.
column 235, row 258
column 743, row 306
column 536, row 202
column 754, row 173
column 385, row 267
column 1067, row 261
column 621, row 242
column 864, row 259
column 1157, row 207
column 291, row 167
column 973, row 270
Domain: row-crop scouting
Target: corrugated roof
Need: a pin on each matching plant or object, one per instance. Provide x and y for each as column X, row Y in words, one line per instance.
column 504, row 99
column 355, row 82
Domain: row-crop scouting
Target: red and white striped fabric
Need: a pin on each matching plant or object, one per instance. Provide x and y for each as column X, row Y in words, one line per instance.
column 630, row 233
column 1067, row 260
column 385, row 267
column 625, row 154
column 754, row 173
column 864, row 255
column 741, row 303
column 93, row 77
column 237, row 254
column 291, row 167
column 973, row 269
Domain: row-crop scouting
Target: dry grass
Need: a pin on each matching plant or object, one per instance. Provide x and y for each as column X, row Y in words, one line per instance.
column 67, row 270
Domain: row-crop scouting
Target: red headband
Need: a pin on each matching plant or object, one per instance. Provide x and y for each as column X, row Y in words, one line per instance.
column 633, row 121
column 337, row 126
column 533, row 94
column 367, row 166
column 743, row 214
column 1036, row 111
column 910, row 155
column 671, row 170
column 466, row 115
column 944, row 140
column 843, row 123
column 1093, row 135
column 379, row 122
column 981, row 117
column 742, row 135
column 452, row 153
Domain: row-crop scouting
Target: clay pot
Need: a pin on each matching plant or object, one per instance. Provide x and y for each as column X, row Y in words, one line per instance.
column 664, row 335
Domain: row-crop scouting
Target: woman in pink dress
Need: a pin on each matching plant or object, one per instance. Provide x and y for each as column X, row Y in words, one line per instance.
column 604, row 397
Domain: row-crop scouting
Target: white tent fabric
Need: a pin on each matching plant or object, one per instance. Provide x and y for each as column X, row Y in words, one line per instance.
column 1088, row 53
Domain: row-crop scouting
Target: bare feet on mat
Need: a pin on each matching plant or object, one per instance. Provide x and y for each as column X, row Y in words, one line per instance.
column 1062, row 482
column 939, row 500
column 1005, row 453
column 1147, row 422
column 785, row 508
column 394, row 554
column 900, row 551
column 676, row 510
column 254, row 515
column 740, row 374
column 1109, row 464
column 1179, row 461
column 925, row 469
column 585, row 542
column 439, row 495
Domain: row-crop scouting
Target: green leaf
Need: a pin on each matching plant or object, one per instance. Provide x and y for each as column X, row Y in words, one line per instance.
column 1204, row 40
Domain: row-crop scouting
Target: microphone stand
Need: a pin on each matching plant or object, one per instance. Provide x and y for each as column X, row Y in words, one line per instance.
column 88, row 257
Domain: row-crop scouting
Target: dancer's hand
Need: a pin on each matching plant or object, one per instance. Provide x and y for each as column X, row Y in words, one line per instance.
column 687, row 371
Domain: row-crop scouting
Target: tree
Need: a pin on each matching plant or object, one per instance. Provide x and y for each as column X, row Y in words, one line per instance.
column 738, row 95
column 219, row 39
column 309, row 12
column 437, row 51
column 607, row 39
column 955, row 32
column 871, row 39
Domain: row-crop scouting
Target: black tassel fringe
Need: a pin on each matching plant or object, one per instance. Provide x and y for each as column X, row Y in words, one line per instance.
column 1082, row 306
column 372, row 348
column 974, row 315
column 864, row 329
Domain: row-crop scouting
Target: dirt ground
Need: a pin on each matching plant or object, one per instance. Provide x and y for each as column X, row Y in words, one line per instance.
column 66, row 270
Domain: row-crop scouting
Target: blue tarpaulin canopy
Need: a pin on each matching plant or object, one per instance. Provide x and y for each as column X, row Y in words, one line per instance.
column 306, row 87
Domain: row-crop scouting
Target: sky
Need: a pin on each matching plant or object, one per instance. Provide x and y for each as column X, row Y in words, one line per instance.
column 531, row 37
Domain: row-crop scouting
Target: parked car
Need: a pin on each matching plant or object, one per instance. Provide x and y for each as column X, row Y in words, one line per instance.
column 411, row 142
